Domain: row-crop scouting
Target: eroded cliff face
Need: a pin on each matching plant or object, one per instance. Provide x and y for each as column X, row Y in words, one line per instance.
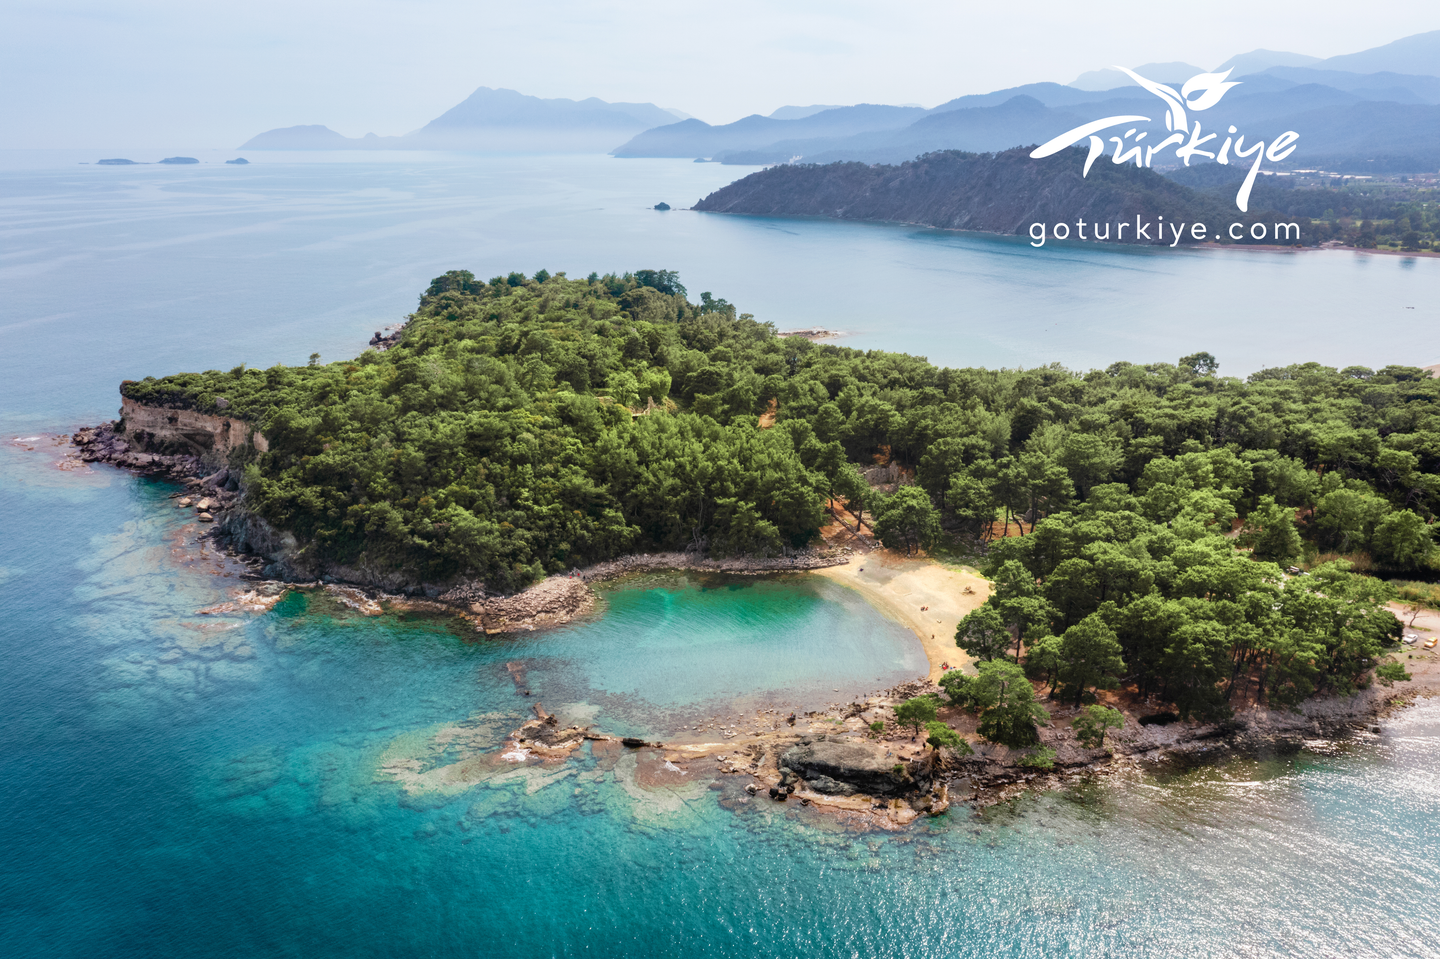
column 155, row 429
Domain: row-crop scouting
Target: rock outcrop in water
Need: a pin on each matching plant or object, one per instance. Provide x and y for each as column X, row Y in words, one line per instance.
column 107, row 444
column 382, row 341
column 845, row 767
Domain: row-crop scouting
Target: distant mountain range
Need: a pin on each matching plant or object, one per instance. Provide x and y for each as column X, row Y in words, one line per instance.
column 1373, row 111
column 493, row 120
column 696, row 138
column 1419, row 54
column 1097, row 81
column 1386, row 120
column 800, row 113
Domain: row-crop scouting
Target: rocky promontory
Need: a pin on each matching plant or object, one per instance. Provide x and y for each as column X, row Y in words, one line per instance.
column 845, row 767
column 1002, row 192
column 192, row 447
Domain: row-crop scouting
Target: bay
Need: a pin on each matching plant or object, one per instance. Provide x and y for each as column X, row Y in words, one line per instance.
column 176, row 784
column 109, row 273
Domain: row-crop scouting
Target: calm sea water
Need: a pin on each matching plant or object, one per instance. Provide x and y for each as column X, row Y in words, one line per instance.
column 177, row 784
column 108, row 273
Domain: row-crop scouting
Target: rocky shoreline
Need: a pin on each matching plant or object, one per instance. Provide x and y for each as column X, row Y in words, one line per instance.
column 794, row 561
column 383, row 340
column 103, row 444
column 814, row 334
column 832, row 763
column 830, row 759
column 561, row 598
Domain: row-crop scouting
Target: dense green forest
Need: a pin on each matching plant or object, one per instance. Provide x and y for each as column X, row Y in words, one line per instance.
column 1008, row 192
column 532, row 424
column 1382, row 212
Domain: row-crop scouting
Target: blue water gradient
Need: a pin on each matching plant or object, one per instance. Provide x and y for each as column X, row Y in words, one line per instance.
column 270, row 784
column 109, row 273
column 186, row 785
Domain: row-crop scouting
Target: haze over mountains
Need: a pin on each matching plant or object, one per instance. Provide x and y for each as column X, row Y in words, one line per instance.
column 1380, row 121
column 1373, row 111
column 492, row 119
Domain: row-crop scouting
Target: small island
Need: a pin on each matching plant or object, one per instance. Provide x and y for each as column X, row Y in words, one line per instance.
column 179, row 160
column 238, row 161
column 1158, row 542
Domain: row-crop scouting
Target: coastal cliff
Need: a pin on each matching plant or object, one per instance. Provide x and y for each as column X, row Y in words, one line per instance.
column 190, row 432
column 169, row 441
column 985, row 192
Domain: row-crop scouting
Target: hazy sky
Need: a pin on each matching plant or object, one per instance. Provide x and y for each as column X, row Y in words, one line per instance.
column 207, row 75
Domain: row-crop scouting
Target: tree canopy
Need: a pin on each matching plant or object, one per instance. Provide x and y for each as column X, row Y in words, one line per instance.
column 529, row 424
column 916, row 712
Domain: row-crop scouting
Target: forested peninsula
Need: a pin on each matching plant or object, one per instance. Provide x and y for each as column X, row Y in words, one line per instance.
column 1136, row 521
column 1005, row 193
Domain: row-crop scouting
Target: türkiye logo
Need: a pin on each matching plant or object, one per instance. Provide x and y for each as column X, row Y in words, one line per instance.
column 1200, row 92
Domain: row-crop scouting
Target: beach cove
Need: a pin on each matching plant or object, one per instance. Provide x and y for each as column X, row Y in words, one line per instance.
column 740, row 727
column 245, row 782
column 263, row 769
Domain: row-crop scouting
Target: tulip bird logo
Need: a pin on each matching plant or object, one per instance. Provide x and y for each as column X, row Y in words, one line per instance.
column 1200, row 92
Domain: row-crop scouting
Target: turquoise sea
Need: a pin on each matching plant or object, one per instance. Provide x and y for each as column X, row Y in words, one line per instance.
column 253, row 784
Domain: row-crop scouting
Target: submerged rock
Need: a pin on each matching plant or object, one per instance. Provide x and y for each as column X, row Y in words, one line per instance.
column 551, row 602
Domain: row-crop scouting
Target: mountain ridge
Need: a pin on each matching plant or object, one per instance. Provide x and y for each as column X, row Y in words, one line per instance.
column 492, row 118
column 1285, row 88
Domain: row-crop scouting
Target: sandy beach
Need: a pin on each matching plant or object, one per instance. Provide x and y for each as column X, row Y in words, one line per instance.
column 921, row 594
column 931, row 599
column 1422, row 664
